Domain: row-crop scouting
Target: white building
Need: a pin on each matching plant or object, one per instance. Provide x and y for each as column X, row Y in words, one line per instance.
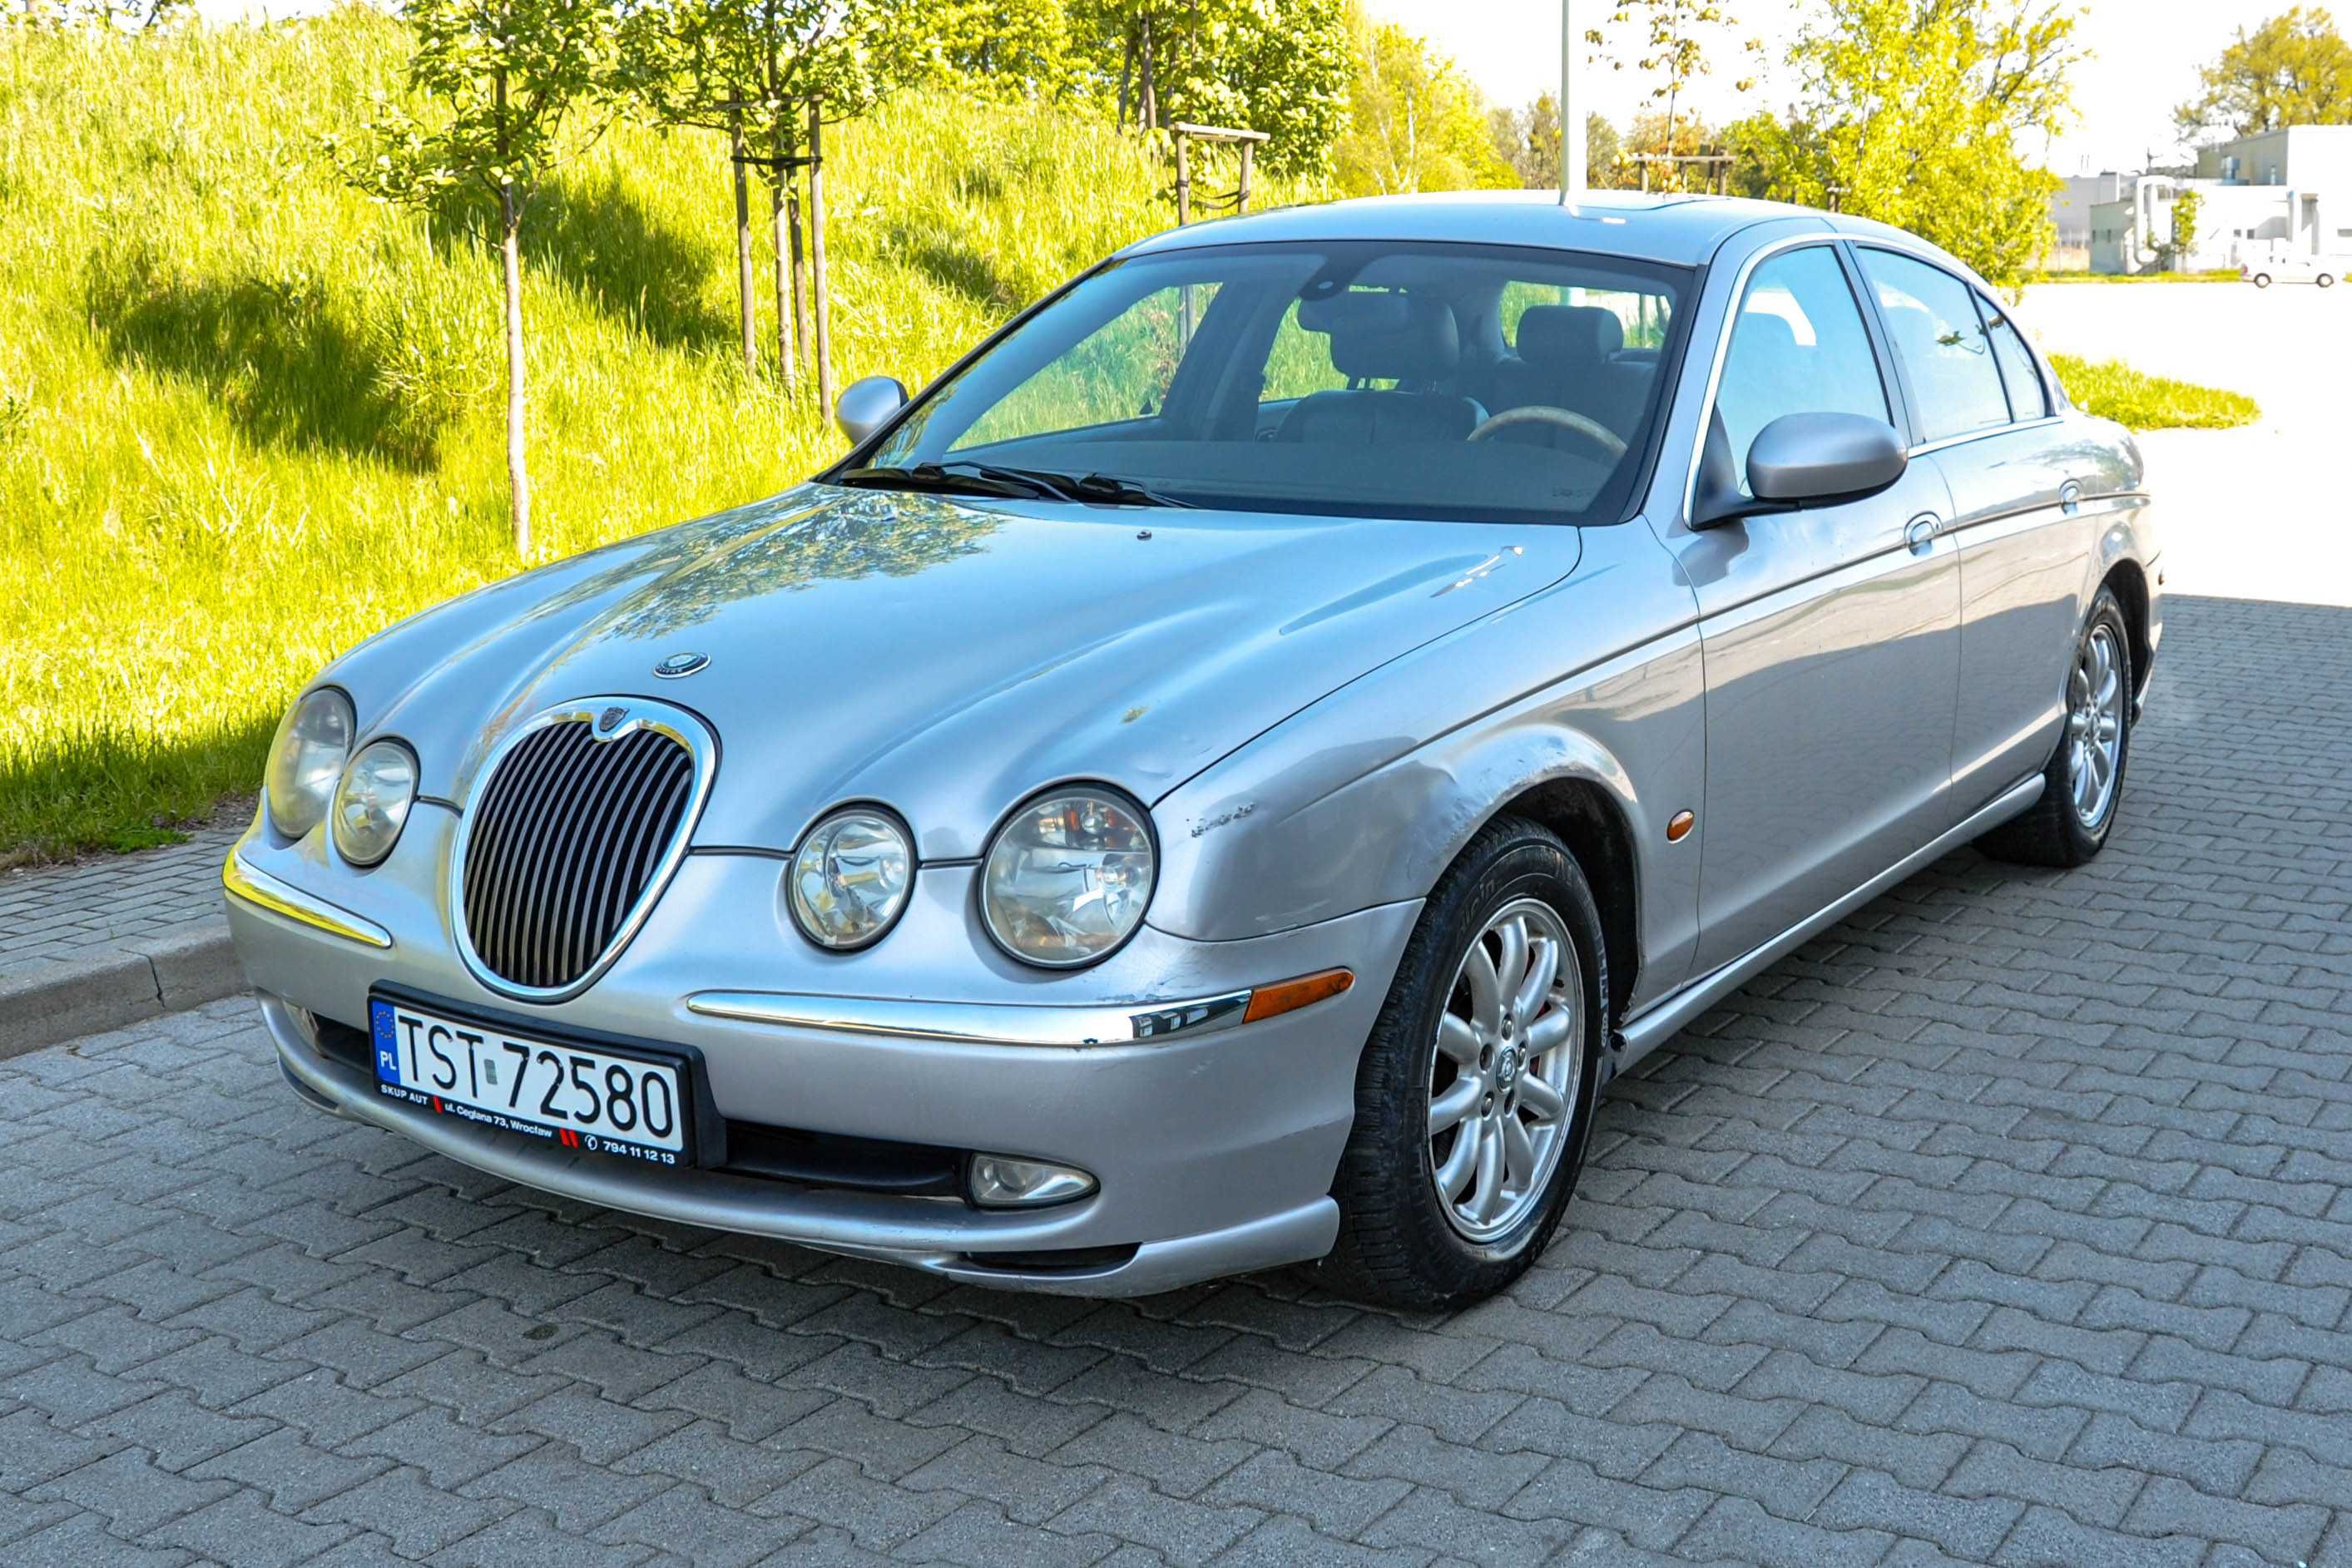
column 2281, row 191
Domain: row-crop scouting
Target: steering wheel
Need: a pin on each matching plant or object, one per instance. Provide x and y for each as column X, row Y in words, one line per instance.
column 1611, row 443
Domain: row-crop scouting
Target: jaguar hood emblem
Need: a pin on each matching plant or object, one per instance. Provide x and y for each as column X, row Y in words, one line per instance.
column 677, row 666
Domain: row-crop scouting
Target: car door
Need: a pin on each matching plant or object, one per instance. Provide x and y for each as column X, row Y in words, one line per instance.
column 2016, row 525
column 1831, row 633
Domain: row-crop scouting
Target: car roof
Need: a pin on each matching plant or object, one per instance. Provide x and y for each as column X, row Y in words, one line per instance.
column 1680, row 230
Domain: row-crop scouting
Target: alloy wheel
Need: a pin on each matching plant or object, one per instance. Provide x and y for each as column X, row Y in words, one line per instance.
column 1503, row 1068
column 2094, row 726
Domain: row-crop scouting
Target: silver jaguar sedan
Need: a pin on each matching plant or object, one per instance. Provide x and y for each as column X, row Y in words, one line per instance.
column 1225, row 776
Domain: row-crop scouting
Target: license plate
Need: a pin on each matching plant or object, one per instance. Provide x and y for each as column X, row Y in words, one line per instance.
column 574, row 1096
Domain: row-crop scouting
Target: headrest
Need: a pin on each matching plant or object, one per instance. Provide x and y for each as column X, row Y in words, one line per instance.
column 1386, row 336
column 1765, row 333
column 1569, row 334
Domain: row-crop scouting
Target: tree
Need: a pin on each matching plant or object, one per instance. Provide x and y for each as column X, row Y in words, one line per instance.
column 1528, row 141
column 1674, row 48
column 773, row 74
column 1415, row 122
column 504, row 76
column 1277, row 65
column 2185, row 209
column 1652, row 144
column 1913, row 113
column 987, row 48
column 2294, row 69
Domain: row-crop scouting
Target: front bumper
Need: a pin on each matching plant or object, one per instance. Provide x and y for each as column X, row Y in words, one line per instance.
column 1214, row 1150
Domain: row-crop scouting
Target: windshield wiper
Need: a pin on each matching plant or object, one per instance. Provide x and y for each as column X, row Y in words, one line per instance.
column 1098, row 490
column 933, row 476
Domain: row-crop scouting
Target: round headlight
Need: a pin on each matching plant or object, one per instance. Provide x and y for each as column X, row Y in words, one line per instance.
column 372, row 802
column 306, row 759
column 1068, row 877
column 850, row 880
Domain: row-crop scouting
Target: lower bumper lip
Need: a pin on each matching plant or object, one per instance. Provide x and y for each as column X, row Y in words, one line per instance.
column 940, row 1237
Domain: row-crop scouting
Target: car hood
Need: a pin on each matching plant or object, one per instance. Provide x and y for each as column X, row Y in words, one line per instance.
column 945, row 657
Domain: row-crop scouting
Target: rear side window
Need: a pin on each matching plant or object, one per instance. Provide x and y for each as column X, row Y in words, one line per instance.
column 1799, row 345
column 1932, row 317
column 2027, row 397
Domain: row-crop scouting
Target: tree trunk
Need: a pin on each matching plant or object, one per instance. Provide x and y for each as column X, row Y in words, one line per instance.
column 744, row 284
column 1147, row 94
column 824, row 339
column 800, row 271
column 518, row 474
column 787, row 244
column 1125, row 74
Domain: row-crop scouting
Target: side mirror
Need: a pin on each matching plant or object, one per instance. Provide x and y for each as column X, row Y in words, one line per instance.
column 1824, row 456
column 867, row 405
column 1802, row 459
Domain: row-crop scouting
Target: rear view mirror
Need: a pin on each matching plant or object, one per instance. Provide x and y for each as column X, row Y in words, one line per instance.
column 867, row 405
column 1802, row 459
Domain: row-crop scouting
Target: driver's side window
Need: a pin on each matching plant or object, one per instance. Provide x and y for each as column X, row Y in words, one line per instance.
column 1799, row 345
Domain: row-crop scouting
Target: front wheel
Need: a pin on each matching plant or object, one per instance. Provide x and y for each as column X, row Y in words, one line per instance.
column 1474, row 1099
column 2325, row 280
column 2262, row 280
column 2083, row 787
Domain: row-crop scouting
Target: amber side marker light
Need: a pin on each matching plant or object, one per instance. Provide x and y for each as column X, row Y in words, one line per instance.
column 1289, row 996
column 1679, row 826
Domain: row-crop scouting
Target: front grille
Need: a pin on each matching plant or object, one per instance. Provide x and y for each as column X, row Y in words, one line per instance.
column 567, row 836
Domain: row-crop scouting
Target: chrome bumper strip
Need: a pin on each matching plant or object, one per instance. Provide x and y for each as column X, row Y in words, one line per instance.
column 979, row 1023
column 266, row 892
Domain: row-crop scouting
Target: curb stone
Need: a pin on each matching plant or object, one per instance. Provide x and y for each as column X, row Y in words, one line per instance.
column 105, row 987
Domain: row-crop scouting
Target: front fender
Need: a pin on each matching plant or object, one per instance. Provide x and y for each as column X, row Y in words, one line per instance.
column 1365, row 798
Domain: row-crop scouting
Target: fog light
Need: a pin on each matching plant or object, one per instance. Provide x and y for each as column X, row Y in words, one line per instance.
column 1000, row 1181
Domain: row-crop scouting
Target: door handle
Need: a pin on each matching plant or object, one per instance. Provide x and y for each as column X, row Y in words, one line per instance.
column 2070, row 497
column 1920, row 533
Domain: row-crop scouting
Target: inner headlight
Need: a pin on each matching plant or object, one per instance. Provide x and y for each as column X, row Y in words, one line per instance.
column 372, row 802
column 306, row 759
column 850, row 880
column 1068, row 877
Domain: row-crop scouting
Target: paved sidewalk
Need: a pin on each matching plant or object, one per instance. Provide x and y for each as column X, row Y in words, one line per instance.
column 104, row 942
column 2005, row 1223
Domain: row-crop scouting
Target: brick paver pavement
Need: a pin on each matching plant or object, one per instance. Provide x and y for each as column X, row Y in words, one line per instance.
column 2005, row 1223
column 59, row 912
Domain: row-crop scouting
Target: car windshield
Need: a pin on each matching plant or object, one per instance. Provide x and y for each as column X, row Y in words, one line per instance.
column 1469, row 382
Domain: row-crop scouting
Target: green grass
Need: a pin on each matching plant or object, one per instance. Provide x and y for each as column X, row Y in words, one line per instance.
column 2112, row 390
column 246, row 418
column 2216, row 275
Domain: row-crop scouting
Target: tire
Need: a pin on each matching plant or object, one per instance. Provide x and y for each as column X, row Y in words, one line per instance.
column 2062, row 828
column 2262, row 280
column 2325, row 280
column 1400, row 1241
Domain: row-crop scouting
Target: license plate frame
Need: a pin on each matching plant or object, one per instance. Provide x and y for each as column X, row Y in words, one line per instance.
column 701, row 1131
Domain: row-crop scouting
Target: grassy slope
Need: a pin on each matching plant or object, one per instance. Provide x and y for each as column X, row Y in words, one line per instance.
column 2112, row 390
column 246, row 417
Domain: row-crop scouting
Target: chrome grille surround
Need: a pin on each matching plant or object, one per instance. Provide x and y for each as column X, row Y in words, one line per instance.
column 559, row 864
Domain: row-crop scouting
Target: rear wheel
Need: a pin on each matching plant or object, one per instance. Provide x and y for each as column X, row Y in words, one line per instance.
column 2325, row 280
column 1474, row 1095
column 2262, row 280
column 2083, row 787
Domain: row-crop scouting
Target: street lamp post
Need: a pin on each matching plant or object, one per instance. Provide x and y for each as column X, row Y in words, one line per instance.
column 1572, row 151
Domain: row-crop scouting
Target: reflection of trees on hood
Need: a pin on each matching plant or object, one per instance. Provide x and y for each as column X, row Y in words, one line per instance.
column 692, row 573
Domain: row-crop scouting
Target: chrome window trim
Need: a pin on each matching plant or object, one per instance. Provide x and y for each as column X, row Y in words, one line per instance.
column 980, row 1023
column 686, row 728
column 1986, row 433
column 2060, row 403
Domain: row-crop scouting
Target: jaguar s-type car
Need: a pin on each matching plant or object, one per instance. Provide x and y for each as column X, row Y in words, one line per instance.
column 1225, row 776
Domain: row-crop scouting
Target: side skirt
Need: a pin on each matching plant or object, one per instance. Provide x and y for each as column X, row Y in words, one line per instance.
column 1664, row 1018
